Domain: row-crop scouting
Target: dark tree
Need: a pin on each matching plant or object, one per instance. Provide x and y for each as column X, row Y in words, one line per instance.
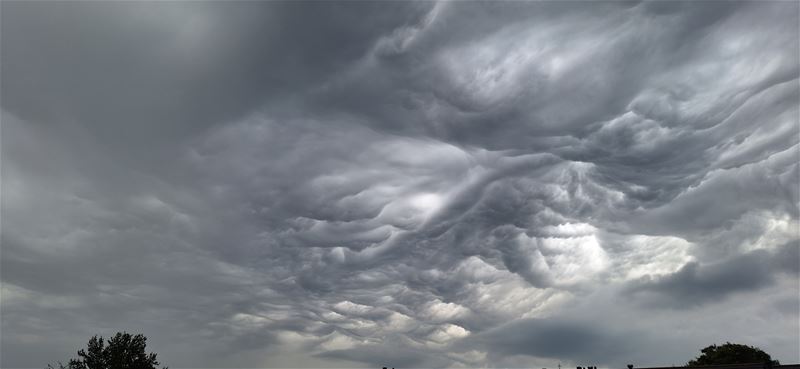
column 731, row 353
column 123, row 351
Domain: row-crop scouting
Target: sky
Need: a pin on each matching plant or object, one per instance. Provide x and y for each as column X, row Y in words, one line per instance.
column 350, row 184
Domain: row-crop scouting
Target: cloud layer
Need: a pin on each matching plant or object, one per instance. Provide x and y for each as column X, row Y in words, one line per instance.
column 406, row 184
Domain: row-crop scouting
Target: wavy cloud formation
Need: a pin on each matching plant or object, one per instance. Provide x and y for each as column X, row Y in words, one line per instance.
column 406, row 184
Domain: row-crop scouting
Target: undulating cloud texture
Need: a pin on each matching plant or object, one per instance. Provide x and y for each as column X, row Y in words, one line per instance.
column 403, row 184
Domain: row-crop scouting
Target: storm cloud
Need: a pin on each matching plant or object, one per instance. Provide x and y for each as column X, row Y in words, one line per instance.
column 403, row 184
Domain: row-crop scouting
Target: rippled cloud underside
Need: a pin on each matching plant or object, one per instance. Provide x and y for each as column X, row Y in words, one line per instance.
column 406, row 184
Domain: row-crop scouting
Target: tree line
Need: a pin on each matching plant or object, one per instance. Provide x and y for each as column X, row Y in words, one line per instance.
column 126, row 351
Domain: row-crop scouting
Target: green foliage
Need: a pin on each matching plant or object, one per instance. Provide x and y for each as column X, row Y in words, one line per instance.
column 731, row 353
column 123, row 351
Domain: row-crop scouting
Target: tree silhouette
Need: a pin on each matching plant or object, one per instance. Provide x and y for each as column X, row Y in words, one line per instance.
column 731, row 353
column 123, row 351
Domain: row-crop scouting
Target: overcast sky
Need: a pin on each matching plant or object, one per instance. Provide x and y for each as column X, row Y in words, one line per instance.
column 403, row 184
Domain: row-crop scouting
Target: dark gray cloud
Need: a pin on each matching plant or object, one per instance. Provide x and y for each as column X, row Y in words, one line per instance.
column 389, row 354
column 407, row 184
column 580, row 342
column 125, row 73
column 694, row 284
